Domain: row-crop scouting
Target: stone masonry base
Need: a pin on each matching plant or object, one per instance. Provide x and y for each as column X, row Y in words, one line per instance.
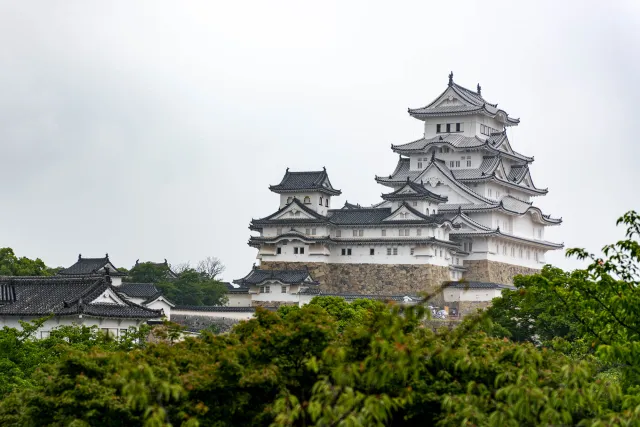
column 373, row 279
column 495, row 272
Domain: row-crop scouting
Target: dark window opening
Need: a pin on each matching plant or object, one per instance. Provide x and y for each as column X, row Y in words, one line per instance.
column 448, row 127
column 438, row 128
column 457, row 127
column 372, row 251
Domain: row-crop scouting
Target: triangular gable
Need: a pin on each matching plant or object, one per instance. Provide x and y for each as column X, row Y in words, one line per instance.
column 326, row 183
column 108, row 297
column 161, row 298
column 432, row 175
column 466, row 223
column 500, row 171
column 293, row 212
column 450, row 98
column 402, row 214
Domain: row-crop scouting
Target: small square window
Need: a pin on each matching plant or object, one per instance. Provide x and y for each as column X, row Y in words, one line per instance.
column 295, row 251
column 415, row 203
column 349, row 251
column 278, row 250
column 283, row 289
column 384, row 233
column 372, row 251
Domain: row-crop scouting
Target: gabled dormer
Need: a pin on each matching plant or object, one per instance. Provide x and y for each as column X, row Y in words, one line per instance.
column 417, row 196
column 312, row 188
column 94, row 266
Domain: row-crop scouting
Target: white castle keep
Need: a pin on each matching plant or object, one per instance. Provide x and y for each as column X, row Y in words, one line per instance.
column 458, row 206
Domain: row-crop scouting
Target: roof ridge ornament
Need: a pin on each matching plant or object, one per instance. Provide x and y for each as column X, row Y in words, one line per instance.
column 79, row 257
column 479, row 90
column 451, row 78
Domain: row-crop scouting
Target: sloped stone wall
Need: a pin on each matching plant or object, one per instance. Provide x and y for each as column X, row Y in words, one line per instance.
column 495, row 272
column 375, row 279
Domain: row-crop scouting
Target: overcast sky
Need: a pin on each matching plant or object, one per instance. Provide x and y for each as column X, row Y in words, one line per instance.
column 152, row 130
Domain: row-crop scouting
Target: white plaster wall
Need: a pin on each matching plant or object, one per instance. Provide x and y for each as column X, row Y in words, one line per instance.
column 315, row 201
column 161, row 305
column 453, row 295
column 13, row 322
column 219, row 314
column 239, row 300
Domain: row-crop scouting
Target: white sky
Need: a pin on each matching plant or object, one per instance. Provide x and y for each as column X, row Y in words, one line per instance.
column 152, row 129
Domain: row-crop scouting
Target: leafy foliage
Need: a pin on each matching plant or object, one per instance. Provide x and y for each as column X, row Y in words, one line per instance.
column 362, row 364
column 11, row 265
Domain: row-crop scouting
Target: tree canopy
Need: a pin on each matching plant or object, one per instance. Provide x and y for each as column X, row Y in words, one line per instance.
column 329, row 363
column 11, row 265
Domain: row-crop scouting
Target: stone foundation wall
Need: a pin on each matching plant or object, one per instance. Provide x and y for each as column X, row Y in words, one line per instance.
column 374, row 279
column 272, row 304
column 495, row 272
column 471, row 307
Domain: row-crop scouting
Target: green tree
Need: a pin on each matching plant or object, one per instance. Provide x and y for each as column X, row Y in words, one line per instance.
column 11, row 265
column 194, row 288
column 148, row 272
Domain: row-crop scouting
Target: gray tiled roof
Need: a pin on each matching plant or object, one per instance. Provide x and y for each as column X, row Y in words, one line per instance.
column 305, row 181
column 138, row 290
column 487, row 168
column 89, row 266
column 420, row 191
column 358, row 216
column 59, row 295
column 236, row 289
column 497, row 143
column 474, row 101
column 292, row 277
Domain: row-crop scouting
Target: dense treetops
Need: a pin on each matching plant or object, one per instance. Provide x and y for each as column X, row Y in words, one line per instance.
column 562, row 349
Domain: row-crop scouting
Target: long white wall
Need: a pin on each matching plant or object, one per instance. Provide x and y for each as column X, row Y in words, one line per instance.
column 113, row 326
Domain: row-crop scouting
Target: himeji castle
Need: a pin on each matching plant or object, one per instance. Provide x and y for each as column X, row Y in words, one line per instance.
column 459, row 205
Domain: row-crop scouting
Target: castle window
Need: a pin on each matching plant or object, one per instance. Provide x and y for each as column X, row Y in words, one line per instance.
column 457, row 261
column 521, row 252
column 415, row 203
column 395, row 251
column 283, row 289
column 457, row 163
column 307, row 200
column 346, row 251
column 298, row 250
column 372, row 251
column 490, row 192
column 468, row 163
column 513, row 252
column 448, row 127
column 419, row 165
column 313, row 231
column 307, row 231
column 388, row 251
column 438, row 128
column 278, row 250
column 451, row 163
column 440, row 253
column 427, row 211
column 320, row 201
column 338, row 233
column 295, row 251
column 419, row 232
column 412, row 250
column 355, row 233
column 278, row 231
column 446, row 149
column 266, row 289
column 504, row 249
column 458, row 127
column 301, row 251
column 384, row 233
column 360, row 233
column 326, row 202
